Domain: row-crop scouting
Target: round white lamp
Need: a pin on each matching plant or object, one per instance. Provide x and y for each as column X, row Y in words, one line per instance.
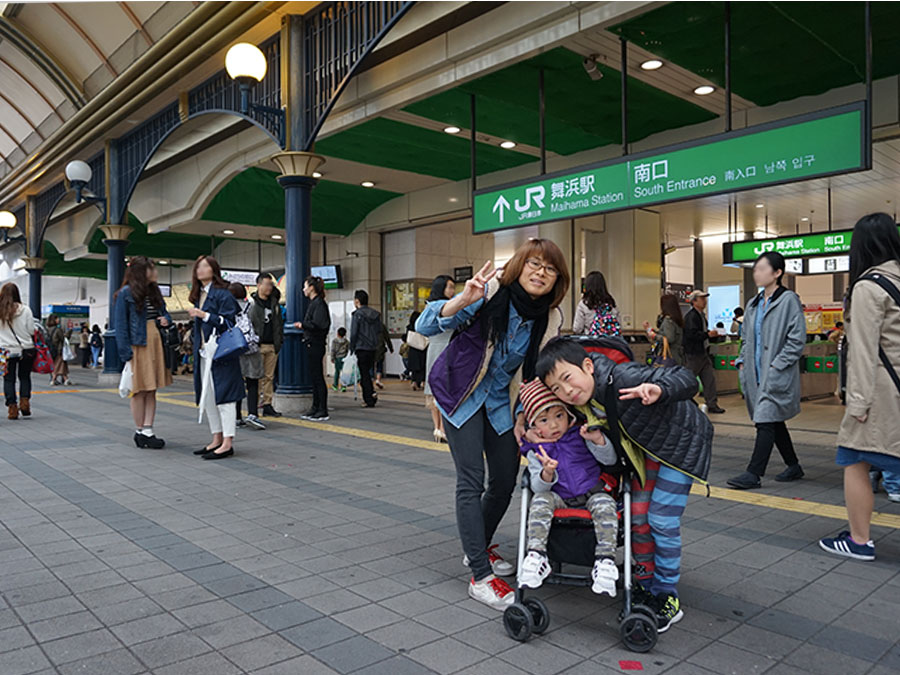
column 7, row 220
column 245, row 64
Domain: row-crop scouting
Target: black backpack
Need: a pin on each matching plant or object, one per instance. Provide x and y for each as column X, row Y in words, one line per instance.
column 891, row 290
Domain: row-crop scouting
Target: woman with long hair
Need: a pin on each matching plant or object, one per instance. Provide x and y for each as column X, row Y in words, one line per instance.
column 769, row 370
column 96, row 343
column 139, row 313
column 670, row 328
column 442, row 288
column 17, row 338
column 596, row 314
column 504, row 323
column 57, row 343
column 214, row 311
column 315, row 326
column 869, row 437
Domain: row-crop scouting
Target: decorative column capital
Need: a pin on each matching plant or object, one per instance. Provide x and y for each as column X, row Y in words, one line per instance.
column 297, row 163
column 116, row 232
column 32, row 263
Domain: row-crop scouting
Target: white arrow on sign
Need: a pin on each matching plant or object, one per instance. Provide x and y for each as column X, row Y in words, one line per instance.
column 501, row 204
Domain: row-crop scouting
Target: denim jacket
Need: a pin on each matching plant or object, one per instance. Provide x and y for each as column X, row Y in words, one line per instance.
column 130, row 323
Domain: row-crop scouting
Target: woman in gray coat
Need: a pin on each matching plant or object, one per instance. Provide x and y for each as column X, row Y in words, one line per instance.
column 769, row 363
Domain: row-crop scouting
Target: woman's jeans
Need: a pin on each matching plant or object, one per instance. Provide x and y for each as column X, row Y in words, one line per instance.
column 479, row 511
column 18, row 367
column 95, row 356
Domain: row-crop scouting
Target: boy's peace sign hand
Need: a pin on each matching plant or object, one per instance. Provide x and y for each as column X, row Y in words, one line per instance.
column 546, row 460
column 648, row 393
column 474, row 289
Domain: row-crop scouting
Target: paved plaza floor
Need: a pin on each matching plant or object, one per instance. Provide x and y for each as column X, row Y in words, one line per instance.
column 333, row 549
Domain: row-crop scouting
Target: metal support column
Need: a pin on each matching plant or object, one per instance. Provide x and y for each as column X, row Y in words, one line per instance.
column 624, row 95
column 35, row 267
column 543, row 121
column 473, row 144
column 116, row 241
column 727, row 66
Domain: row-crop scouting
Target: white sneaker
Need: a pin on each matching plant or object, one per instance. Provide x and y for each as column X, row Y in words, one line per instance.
column 255, row 423
column 894, row 497
column 498, row 565
column 492, row 591
column 605, row 574
column 535, row 568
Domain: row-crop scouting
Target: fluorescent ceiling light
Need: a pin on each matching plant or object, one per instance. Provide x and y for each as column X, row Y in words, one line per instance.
column 317, row 174
column 704, row 90
column 367, row 184
column 652, row 64
column 760, row 206
column 276, row 236
column 227, row 231
column 507, row 145
column 452, row 130
column 163, row 262
column 804, row 219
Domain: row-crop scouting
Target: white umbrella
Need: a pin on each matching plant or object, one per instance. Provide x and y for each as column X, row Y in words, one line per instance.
column 207, row 388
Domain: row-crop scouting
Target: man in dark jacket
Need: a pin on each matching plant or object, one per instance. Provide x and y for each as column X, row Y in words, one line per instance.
column 365, row 334
column 266, row 307
column 696, row 348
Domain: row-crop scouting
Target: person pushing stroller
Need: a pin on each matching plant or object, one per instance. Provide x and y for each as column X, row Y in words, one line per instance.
column 569, row 467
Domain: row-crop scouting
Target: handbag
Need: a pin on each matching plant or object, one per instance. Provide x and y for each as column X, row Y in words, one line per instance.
column 43, row 360
column 67, row 353
column 416, row 340
column 663, row 357
column 4, row 360
column 230, row 343
column 242, row 321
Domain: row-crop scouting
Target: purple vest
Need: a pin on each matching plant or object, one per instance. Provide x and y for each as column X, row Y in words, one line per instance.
column 455, row 372
column 578, row 469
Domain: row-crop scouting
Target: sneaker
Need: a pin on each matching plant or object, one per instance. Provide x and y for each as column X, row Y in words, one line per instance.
column 746, row 481
column 535, row 568
column 255, row 423
column 844, row 545
column 790, row 473
column 605, row 574
column 668, row 611
column 269, row 411
column 892, row 496
column 499, row 566
column 492, row 591
column 321, row 416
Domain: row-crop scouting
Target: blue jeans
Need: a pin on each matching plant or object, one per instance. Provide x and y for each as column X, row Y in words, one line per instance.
column 891, row 482
column 95, row 354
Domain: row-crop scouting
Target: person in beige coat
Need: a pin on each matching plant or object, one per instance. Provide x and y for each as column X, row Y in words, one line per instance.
column 870, row 432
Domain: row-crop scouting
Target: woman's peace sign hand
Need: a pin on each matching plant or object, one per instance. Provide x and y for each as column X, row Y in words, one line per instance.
column 474, row 289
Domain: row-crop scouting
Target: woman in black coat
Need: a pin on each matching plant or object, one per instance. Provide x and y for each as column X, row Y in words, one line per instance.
column 315, row 326
column 215, row 309
column 416, row 357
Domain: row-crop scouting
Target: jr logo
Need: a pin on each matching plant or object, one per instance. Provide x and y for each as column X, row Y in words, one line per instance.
column 764, row 247
column 536, row 193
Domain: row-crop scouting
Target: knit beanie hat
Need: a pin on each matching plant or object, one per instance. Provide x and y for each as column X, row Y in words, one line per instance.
column 536, row 398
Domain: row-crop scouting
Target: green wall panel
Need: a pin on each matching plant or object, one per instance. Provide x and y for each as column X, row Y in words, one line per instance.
column 84, row 267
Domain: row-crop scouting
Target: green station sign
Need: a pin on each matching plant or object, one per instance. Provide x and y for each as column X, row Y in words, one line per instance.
column 828, row 142
column 797, row 246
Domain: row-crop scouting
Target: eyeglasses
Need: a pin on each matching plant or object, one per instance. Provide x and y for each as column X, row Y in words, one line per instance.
column 535, row 264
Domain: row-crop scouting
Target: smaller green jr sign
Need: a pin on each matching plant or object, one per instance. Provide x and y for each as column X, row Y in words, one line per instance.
column 797, row 246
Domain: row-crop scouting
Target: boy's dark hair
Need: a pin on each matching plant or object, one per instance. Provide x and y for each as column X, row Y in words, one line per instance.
column 838, row 324
column 720, row 325
column 362, row 296
column 559, row 349
column 342, row 331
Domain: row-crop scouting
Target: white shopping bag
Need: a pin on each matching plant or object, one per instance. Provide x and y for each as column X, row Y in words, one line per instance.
column 349, row 373
column 207, row 388
column 125, row 381
column 68, row 353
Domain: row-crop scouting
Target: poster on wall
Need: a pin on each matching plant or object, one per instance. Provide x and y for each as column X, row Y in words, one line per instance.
column 722, row 301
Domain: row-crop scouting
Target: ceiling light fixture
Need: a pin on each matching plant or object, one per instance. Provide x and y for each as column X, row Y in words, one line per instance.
column 277, row 236
column 507, row 145
column 317, row 174
column 227, row 231
column 704, row 90
column 804, row 219
column 163, row 262
column 652, row 64
column 452, row 130
column 760, row 206
column 367, row 184
column 7, row 220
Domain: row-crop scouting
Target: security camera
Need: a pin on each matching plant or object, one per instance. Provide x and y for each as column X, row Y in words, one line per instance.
column 591, row 67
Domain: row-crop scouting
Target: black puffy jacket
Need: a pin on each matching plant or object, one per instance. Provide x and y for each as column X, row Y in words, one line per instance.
column 673, row 430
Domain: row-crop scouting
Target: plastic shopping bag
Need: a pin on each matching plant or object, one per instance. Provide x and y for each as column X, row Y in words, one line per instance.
column 350, row 372
column 125, row 381
column 68, row 353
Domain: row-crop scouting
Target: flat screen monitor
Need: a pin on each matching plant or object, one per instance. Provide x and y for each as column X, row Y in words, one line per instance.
column 331, row 275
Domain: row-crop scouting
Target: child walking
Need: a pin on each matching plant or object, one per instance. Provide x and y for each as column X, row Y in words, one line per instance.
column 566, row 463
column 340, row 347
column 665, row 438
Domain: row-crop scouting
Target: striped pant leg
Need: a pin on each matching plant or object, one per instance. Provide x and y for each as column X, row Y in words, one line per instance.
column 642, row 547
column 667, row 503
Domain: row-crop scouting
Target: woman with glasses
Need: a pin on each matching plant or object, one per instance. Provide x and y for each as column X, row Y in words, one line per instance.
column 503, row 323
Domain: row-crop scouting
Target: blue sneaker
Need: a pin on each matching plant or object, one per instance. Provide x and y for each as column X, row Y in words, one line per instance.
column 844, row 545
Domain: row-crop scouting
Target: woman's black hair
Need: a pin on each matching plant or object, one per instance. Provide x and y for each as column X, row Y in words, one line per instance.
column 595, row 291
column 738, row 311
column 238, row 290
column 318, row 285
column 776, row 260
column 439, row 287
column 875, row 241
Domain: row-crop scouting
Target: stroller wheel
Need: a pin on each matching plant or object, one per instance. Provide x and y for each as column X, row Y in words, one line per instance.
column 518, row 622
column 638, row 630
column 539, row 613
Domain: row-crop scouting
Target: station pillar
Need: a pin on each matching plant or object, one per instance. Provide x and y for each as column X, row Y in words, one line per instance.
column 116, row 239
column 294, row 392
column 35, row 268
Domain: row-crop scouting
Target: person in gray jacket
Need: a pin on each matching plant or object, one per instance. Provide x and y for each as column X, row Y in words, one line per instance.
column 365, row 335
column 769, row 364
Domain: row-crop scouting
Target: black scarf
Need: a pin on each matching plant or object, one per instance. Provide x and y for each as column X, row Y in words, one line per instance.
column 495, row 320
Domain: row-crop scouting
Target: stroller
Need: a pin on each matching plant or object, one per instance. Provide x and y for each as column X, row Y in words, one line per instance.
column 572, row 540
